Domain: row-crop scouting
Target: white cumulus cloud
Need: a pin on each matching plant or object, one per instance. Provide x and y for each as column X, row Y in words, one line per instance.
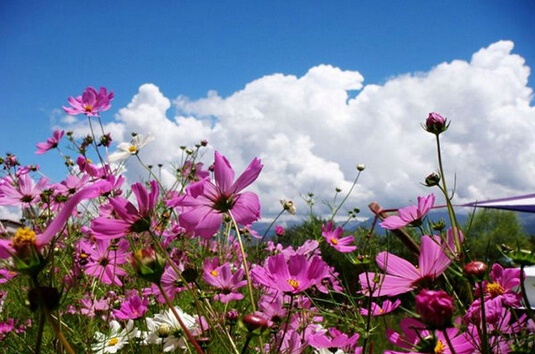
column 311, row 131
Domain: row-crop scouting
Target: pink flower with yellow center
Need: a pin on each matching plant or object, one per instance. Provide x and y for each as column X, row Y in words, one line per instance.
column 333, row 237
column 294, row 276
column 90, row 103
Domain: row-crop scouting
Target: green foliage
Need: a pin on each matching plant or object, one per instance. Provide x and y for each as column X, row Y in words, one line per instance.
column 487, row 229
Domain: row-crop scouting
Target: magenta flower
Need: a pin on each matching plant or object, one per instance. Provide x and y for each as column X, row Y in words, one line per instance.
column 221, row 277
column 341, row 244
column 50, row 143
column 500, row 291
column 132, row 308
column 379, row 310
column 333, row 338
column 415, row 338
column 90, row 102
column 402, row 276
column 131, row 218
column 410, row 215
column 279, row 230
column 293, row 276
column 206, row 202
column 435, row 308
column 435, row 123
column 105, row 260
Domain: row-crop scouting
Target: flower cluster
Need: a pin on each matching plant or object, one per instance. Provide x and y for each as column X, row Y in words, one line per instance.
column 105, row 267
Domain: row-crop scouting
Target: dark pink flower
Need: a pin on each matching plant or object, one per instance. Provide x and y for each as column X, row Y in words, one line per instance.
column 105, row 260
column 50, row 143
column 130, row 218
column 435, row 123
column 90, row 102
column 341, row 244
column 380, row 310
column 415, row 338
column 132, row 308
column 412, row 214
column 435, row 308
column 279, row 230
column 205, row 202
column 221, row 277
column 294, row 276
column 402, row 276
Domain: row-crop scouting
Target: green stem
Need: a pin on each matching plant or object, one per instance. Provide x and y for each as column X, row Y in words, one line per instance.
column 485, row 340
column 270, row 226
column 345, row 198
column 188, row 334
column 244, row 262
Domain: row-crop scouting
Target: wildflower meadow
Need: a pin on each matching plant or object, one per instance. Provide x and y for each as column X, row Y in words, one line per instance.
column 100, row 265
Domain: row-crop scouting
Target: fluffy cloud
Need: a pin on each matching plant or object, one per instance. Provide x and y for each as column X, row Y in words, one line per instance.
column 311, row 131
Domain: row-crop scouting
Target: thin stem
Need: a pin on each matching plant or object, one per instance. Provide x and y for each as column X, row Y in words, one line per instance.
column 270, row 226
column 485, row 340
column 244, row 262
column 188, row 334
column 448, row 340
column 347, row 196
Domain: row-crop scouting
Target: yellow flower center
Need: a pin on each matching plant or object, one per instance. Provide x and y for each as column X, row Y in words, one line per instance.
column 293, row 283
column 88, row 108
column 440, row 348
column 214, row 273
column 132, row 149
column 334, row 241
column 494, row 289
column 113, row 341
column 23, row 237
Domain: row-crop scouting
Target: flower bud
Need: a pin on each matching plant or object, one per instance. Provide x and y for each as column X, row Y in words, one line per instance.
column 476, row 270
column 361, row 167
column 254, row 323
column 289, row 206
column 436, row 124
column 148, row 264
column 432, row 180
column 279, row 230
column 435, row 308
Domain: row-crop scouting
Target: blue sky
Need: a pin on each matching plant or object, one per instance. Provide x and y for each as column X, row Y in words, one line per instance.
column 54, row 49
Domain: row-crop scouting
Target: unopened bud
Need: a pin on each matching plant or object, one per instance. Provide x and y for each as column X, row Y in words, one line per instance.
column 361, row 167
column 475, row 269
column 432, row 180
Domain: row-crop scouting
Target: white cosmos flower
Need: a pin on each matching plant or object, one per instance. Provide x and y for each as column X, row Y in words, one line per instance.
column 116, row 339
column 125, row 150
column 165, row 328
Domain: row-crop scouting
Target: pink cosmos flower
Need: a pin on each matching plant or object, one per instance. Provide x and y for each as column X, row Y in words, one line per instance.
column 410, row 215
column 402, row 276
column 415, row 338
column 500, row 291
column 279, row 230
column 380, row 310
column 333, row 338
column 21, row 191
column 27, row 237
column 293, row 276
column 90, row 102
column 132, row 308
column 221, row 277
column 131, row 218
column 50, row 143
column 105, row 260
column 205, row 202
column 343, row 245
